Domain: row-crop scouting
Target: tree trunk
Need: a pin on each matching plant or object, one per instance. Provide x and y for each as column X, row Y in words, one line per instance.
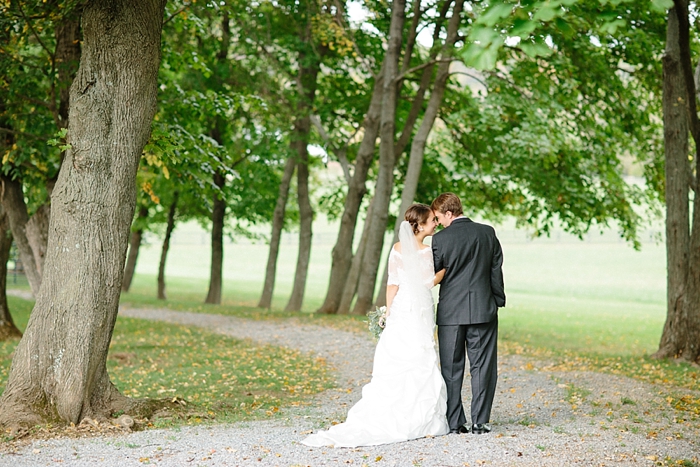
column 354, row 273
column 681, row 334
column 217, row 242
column 276, row 236
column 8, row 330
column 59, row 367
column 16, row 210
column 218, row 215
column 306, row 216
column 166, row 246
column 308, row 73
column 415, row 161
column 134, row 247
column 342, row 251
column 38, row 235
column 385, row 178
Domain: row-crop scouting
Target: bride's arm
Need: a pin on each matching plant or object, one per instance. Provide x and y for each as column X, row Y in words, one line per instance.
column 438, row 277
column 391, row 291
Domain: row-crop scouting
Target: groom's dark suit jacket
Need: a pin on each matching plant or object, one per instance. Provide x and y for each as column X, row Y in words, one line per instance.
column 472, row 290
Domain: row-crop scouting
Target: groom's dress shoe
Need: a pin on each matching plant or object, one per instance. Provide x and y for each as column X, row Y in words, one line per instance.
column 461, row 430
column 481, row 428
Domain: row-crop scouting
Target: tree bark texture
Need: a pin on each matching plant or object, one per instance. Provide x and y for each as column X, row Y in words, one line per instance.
column 218, row 216
column 166, row 245
column 420, row 140
column 16, row 210
column 686, row 335
column 385, row 178
column 678, row 328
column 59, row 370
column 342, row 251
column 276, row 235
column 38, row 235
column 134, row 246
column 8, row 330
column 354, row 274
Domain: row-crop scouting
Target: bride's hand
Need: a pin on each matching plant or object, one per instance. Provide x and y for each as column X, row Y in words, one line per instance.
column 438, row 277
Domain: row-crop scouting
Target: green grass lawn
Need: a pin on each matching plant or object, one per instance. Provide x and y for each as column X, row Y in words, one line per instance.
column 213, row 377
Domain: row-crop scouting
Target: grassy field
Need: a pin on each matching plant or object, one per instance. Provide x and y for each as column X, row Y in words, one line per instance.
column 592, row 295
column 223, row 379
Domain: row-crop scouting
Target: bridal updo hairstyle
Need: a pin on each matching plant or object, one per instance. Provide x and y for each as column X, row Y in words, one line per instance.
column 448, row 202
column 416, row 215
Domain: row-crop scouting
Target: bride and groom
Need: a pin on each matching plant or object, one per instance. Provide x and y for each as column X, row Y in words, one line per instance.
column 410, row 396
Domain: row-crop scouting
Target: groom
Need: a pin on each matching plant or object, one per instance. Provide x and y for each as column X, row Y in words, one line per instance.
column 467, row 314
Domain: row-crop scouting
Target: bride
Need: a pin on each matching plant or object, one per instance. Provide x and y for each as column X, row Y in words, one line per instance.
column 406, row 398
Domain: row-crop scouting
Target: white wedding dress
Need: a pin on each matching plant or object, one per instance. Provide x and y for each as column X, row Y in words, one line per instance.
column 406, row 398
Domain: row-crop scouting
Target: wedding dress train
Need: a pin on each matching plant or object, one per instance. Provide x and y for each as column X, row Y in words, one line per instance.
column 406, row 398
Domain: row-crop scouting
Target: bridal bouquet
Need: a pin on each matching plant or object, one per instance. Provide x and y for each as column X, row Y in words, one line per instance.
column 377, row 321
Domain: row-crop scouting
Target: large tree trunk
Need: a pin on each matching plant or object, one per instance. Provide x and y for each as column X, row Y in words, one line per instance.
column 166, row 246
column 217, row 242
column 134, row 246
column 59, row 367
column 342, row 251
column 681, row 334
column 16, row 209
column 415, row 161
column 385, row 178
column 8, row 330
column 308, row 73
column 677, row 177
column 276, row 235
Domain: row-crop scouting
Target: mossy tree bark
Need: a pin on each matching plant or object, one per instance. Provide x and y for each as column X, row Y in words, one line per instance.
column 59, row 368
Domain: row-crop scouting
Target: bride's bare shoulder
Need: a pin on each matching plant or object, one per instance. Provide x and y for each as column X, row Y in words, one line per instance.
column 397, row 247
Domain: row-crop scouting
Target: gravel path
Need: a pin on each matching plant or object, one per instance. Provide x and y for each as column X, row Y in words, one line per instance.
column 541, row 417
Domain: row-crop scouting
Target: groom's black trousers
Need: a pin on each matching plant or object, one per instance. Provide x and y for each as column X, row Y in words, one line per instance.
column 479, row 343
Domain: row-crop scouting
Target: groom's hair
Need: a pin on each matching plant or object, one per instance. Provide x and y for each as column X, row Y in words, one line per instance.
column 448, row 202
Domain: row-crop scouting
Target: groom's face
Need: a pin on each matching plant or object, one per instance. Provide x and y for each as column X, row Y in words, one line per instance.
column 444, row 218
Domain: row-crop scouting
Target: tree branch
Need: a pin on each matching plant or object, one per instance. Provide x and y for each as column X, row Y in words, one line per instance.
column 34, row 33
column 170, row 18
column 476, row 78
column 339, row 151
column 420, row 67
column 21, row 133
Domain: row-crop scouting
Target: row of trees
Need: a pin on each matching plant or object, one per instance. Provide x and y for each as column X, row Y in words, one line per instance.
column 523, row 108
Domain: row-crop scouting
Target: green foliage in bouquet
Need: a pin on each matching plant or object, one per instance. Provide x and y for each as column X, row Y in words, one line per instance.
column 376, row 321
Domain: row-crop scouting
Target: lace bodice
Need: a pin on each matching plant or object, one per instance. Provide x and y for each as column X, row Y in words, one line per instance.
column 397, row 275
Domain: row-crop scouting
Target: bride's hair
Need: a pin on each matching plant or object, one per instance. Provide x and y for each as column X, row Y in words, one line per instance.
column 417, row 214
